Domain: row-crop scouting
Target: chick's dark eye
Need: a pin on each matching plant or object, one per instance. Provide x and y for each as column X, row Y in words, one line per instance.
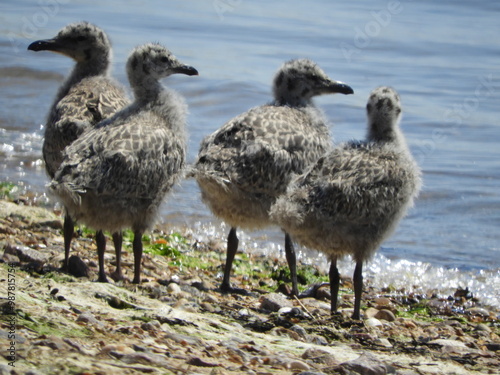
column 164, row 59
column 80, row 38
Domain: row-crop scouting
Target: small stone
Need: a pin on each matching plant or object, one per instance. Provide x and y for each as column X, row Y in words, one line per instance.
column 298, row 366
column 150, row 359
column 150, row 326
column 174, row 288
column 117, row 348
column 139, row 348
column 281, row 331
column 77, row 267
column 274, row 302
column 210, row 298
column 373, row 322
column 317, row 340
column 7, row 230
column 243, row 312
column 33, row 372
column 409, row 324
column 207, row 307
column 494, row 347
column 382, row 302
column 478, row 311
column 26, row 254
column 175, row 279
column 10, row 258
column 185, row 340
column 320, row 356
column 74, row 344
column 482, row 327
column 451, row 346
column 203, row 285
column 196, row 361
column 53, row 342
column 383, row 342
column 386, row 315
column 300, row 330
column 371, row 312
column 323, row 293
column 440, row 304
column 365, row 364
column 285, row 310
column 87, row 317
column 4, row 369
column 54, row 224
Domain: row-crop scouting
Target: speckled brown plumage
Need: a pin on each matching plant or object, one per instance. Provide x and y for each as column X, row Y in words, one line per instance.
column 352, row 199
column 116, row 175
column 246, row 164
column 87, row 97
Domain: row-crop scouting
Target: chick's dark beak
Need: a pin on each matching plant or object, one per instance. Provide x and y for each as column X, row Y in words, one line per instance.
column 45, row 45
column 186, row 69
column 340, row 87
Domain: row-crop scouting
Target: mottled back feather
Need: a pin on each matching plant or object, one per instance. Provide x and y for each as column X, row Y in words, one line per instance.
column 353, row 197
column 117, row 174
column 87, row 96
column 247, row 163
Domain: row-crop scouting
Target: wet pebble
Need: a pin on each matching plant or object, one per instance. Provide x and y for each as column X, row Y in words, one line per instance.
column 383, row 342
column 298, row 366
column 33, row 372
column 174, row 288
column 274, row 302
column 208, row 307
column 319, row 356
column 117, row 348
column 10, row 258
column 451, row 346
column 299, row 330
column 26, row 254
column 77, row 267
column 144, row 358
column 371, row 312
column 53, row 342
column 478, row 311
column 482, row 327
column 151, row 326
column 184, row 339
column 323, row 293
column 373, row 322
column 87, row 317
column 4, row 369
column 382, row 302
column 385, row 315
column 317, row 340
column 365, row 364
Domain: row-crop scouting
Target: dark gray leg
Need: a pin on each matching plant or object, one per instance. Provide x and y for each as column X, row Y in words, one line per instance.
column 137, row 247
column 118, row 240
column 68, row 229
column 358, row 289
column 292, row 263
column 334, row 284
column 232, row 247
column 101, row 249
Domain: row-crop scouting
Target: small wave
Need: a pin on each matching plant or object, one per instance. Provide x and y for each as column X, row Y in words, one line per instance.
column 25, row 72
column 410, row 276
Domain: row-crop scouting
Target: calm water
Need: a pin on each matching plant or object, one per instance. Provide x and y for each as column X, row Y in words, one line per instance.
column 441, row 57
